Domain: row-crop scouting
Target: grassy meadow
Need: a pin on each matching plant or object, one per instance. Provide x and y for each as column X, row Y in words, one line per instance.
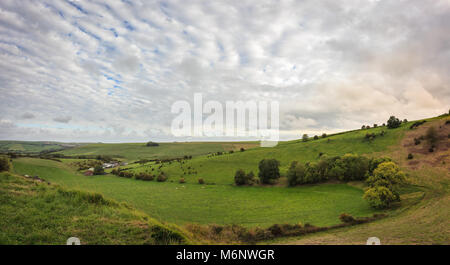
column 219, row 201
column 206, row 204
column 34, row 212
column 136, row 151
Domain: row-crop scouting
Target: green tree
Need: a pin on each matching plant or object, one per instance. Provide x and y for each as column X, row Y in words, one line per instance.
column 98, row 170
column 379, row 197
column 240, row 178
column 393, row 122
column 268, row 170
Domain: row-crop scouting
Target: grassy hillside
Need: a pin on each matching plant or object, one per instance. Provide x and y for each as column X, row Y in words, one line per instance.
column 424, row 217
column 136, row 151
column 221, row 169
column 206, row 204
column 31, row 147
column 34, row 212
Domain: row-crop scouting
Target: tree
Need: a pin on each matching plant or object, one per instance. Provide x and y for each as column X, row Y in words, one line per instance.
column 316, row 137
column 379, row 197
column 296, row 174
column 405, row 120
column 5, row 165
column 98, row 170
column 240, row 178
column 305, row 137
column 324, row 135
column 384, row 185
column 393, row 122
column 268, row 170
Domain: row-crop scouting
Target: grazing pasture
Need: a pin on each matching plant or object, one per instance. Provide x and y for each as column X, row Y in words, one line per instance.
column 206, row 204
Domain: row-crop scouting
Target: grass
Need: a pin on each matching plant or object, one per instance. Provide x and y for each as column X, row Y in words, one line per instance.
column 136, row 151
column 206, row 204
column 39, row 213
column 28, row 147
column 221, row 169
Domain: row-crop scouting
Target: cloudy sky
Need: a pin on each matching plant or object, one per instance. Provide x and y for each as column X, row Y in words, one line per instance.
column 110, row 70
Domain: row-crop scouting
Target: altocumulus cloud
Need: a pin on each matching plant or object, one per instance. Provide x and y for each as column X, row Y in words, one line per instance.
column 110, row 70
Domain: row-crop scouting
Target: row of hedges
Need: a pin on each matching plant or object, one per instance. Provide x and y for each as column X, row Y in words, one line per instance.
column 348, row 167
column 140, row 176
column 240, row 234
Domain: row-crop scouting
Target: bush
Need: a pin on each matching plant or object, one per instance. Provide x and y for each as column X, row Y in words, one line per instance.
column 410, row 156
column 354, row 167
column 316, row 137
column 240, row 178
column 305, row 137
column 374, row 162
column 98, row 170
column 144, row 176
column 324, row 135
column 379, row 197
column 296, row 174
column 182, row 180
column 5, row 165
column 161, row 178
column 431, row 136
column 384, row 185
column 416, row 141
column 242, row 149
column 152, row 144
column 393, row 122
column 346, row 218
column 201, row 181
column 268, row 170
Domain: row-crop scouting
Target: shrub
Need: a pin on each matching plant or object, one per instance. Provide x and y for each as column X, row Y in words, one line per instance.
column 374, row 162
column 305, row 137
column 386, row 176
column 296, row 174
column 416, row 141
column 324, row 135
column 201, row 181
column 152, row 144
column 144, row 176
column 375, row 125
column 5, row 164
column 410, row 156
column 393, row 122
column 98, row 170
column 240, row 178
column 379, row 197
column 161, row 178
column 346, row 218
column 405, row 120
column 431, row 135
column 268, row 170
column 355, row 167
column 242, row 149
column 316, row 137
column 182, row 180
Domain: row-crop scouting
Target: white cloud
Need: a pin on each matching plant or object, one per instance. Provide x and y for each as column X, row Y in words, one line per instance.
column 113, row 69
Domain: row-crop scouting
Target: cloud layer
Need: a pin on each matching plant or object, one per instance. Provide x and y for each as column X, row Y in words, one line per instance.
column 110, row 71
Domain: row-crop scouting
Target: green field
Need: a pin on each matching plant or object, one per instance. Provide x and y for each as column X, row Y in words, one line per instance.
column 136, row 151
column 206, row 204
column 221, row 169
column 30, row 147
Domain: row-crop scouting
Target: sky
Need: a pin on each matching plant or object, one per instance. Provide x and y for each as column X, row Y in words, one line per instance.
column 109, row 71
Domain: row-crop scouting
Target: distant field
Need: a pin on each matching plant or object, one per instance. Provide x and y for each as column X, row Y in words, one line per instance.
column 221, row 204
column 29, row 147
column 136, row 151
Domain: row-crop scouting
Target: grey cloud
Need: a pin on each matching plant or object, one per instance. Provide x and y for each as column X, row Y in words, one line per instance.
column 62, row 119
column 332, row 65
